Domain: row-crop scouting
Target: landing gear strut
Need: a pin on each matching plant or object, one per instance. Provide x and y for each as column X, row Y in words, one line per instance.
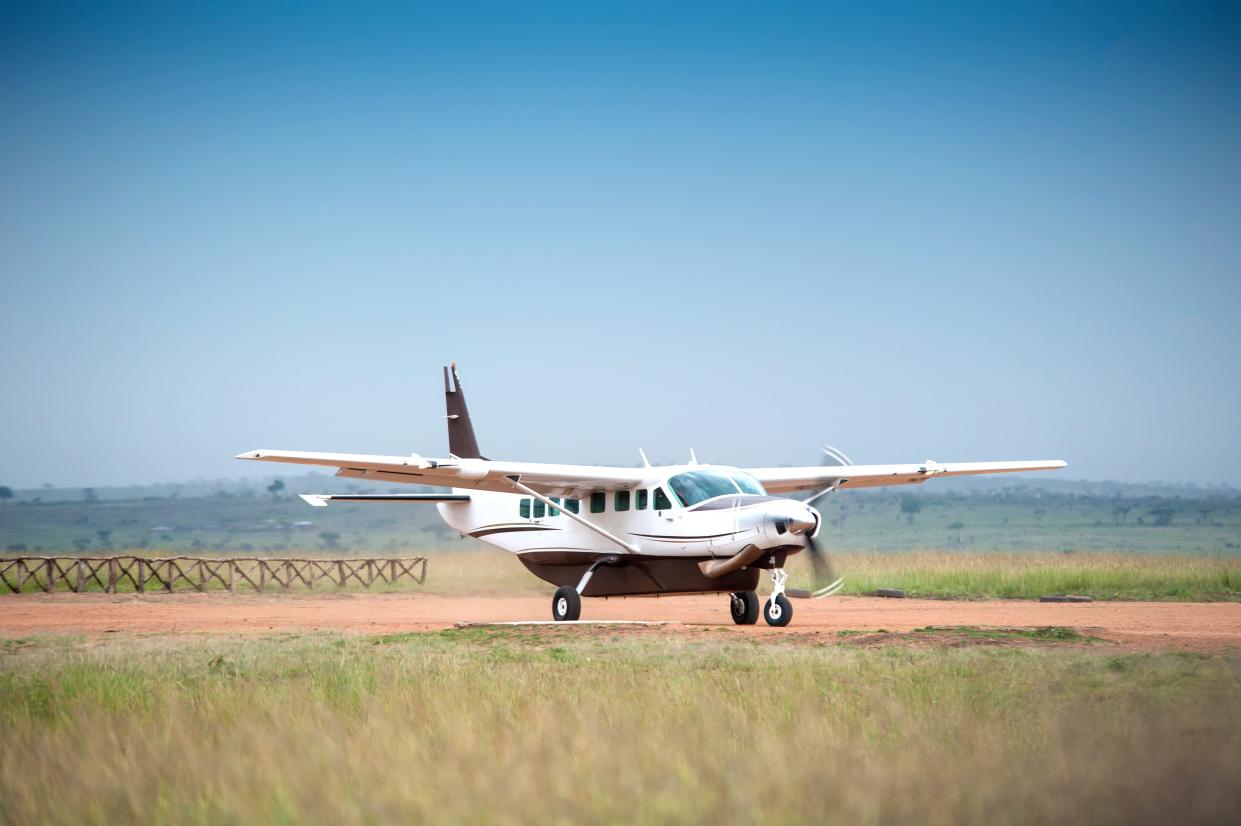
column 744, row 607
column 778, row 612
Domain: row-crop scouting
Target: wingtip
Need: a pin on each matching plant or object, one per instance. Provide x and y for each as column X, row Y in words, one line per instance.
column 250, row 454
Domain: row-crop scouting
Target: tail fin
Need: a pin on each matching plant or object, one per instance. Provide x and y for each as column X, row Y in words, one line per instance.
column 461, row 441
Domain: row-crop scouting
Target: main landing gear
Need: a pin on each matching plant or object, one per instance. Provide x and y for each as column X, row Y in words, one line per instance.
column 566, row 604
column 744, row 607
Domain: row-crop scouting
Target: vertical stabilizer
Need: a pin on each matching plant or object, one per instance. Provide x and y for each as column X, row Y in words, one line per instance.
column 461, row 441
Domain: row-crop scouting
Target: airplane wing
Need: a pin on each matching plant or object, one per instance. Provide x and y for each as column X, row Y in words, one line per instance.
column 788, row 479
column 479, row 474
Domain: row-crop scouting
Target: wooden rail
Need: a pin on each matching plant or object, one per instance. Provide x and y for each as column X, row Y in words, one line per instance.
column 81, row 573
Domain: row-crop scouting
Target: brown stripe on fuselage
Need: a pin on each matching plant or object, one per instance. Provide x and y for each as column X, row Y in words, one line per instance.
column 667, row 538
column 481, row 532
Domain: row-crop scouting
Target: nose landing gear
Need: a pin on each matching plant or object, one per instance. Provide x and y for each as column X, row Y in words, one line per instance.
column 778, row 612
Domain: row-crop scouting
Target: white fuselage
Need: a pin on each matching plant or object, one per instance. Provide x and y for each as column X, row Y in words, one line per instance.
column 718, row 526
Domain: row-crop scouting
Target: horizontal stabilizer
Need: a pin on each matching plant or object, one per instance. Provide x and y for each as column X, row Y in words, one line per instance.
column 320, row 500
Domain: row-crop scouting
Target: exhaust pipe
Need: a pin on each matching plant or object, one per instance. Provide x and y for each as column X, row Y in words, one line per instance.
column 716, row 568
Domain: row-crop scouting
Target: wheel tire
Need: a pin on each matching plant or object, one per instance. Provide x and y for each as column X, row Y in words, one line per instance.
column 566, row 604
column 778, row 612
column 743, row 605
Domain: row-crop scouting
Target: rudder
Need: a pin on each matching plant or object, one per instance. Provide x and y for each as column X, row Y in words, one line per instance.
column 461, row 440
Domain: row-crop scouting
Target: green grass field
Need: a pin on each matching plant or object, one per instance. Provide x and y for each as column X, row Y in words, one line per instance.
column 503, row 727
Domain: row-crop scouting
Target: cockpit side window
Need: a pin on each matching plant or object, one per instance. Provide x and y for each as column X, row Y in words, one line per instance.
column 747, row 483
column 662, row 503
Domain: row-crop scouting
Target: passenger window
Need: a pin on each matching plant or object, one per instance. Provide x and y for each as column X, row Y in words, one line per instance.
column 539, row 509
column 598, row 501
column 553, row 511
column 661, row 500
column 573, row 505
column 525, row 509
column 641, row 503
column 622, row 500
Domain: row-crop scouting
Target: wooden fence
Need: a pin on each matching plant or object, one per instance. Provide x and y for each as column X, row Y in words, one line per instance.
column 82, row 573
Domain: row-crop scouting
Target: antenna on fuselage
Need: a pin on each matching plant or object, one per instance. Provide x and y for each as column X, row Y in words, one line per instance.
column 645, row 461
column 693, row 460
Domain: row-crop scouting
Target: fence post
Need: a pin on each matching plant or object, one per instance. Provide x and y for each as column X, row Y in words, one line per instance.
column 340, row 571
column 262, row 574
column 370, row 572
column 111, row 575
column 232, row 567
column 142, row 575
column 76, row 587
column 202, row 577
column 21, row 574
column 50, row 570
column 170, row 580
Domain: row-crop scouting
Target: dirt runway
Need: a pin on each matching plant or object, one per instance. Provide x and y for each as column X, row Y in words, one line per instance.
column 1177, row 625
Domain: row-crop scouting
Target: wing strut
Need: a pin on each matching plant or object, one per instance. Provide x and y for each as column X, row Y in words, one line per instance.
column 320, row 500
column 629, row 548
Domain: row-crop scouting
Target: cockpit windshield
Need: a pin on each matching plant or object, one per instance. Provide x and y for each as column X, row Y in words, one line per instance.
column 696, row 486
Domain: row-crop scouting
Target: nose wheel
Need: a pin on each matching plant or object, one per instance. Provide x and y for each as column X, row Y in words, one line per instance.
column 778, row 612
column 744, row 607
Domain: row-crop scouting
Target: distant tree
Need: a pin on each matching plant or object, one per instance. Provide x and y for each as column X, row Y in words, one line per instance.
column 956, row 528
column 274, row 489
column 331, row 540
column 6, row 493
column 105, row 538
column 89, row 495
column 1162, row 516
column 81, row 544
column 910, row 506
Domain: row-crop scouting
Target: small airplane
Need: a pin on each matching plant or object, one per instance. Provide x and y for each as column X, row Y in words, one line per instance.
column 601, row 531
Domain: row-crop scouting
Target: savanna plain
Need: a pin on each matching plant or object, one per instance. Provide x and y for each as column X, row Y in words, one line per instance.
column 646, row 724
column 956, row 723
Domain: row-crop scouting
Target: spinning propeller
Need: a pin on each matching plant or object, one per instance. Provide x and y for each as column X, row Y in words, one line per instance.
column 824, row 577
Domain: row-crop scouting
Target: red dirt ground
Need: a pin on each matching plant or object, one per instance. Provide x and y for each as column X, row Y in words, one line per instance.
column 1146, row 625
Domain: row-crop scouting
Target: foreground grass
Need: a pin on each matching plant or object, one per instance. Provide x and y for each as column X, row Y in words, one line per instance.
column 494, row 726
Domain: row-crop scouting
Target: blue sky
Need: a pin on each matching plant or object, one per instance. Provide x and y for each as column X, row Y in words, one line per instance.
column 913, row 230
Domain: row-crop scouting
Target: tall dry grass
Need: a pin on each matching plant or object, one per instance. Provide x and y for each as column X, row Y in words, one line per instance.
column 476, row 726
column 1102, row 575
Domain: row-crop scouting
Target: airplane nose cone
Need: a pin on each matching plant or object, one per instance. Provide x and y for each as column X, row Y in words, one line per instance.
column 802, row 523
column 793, row 517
